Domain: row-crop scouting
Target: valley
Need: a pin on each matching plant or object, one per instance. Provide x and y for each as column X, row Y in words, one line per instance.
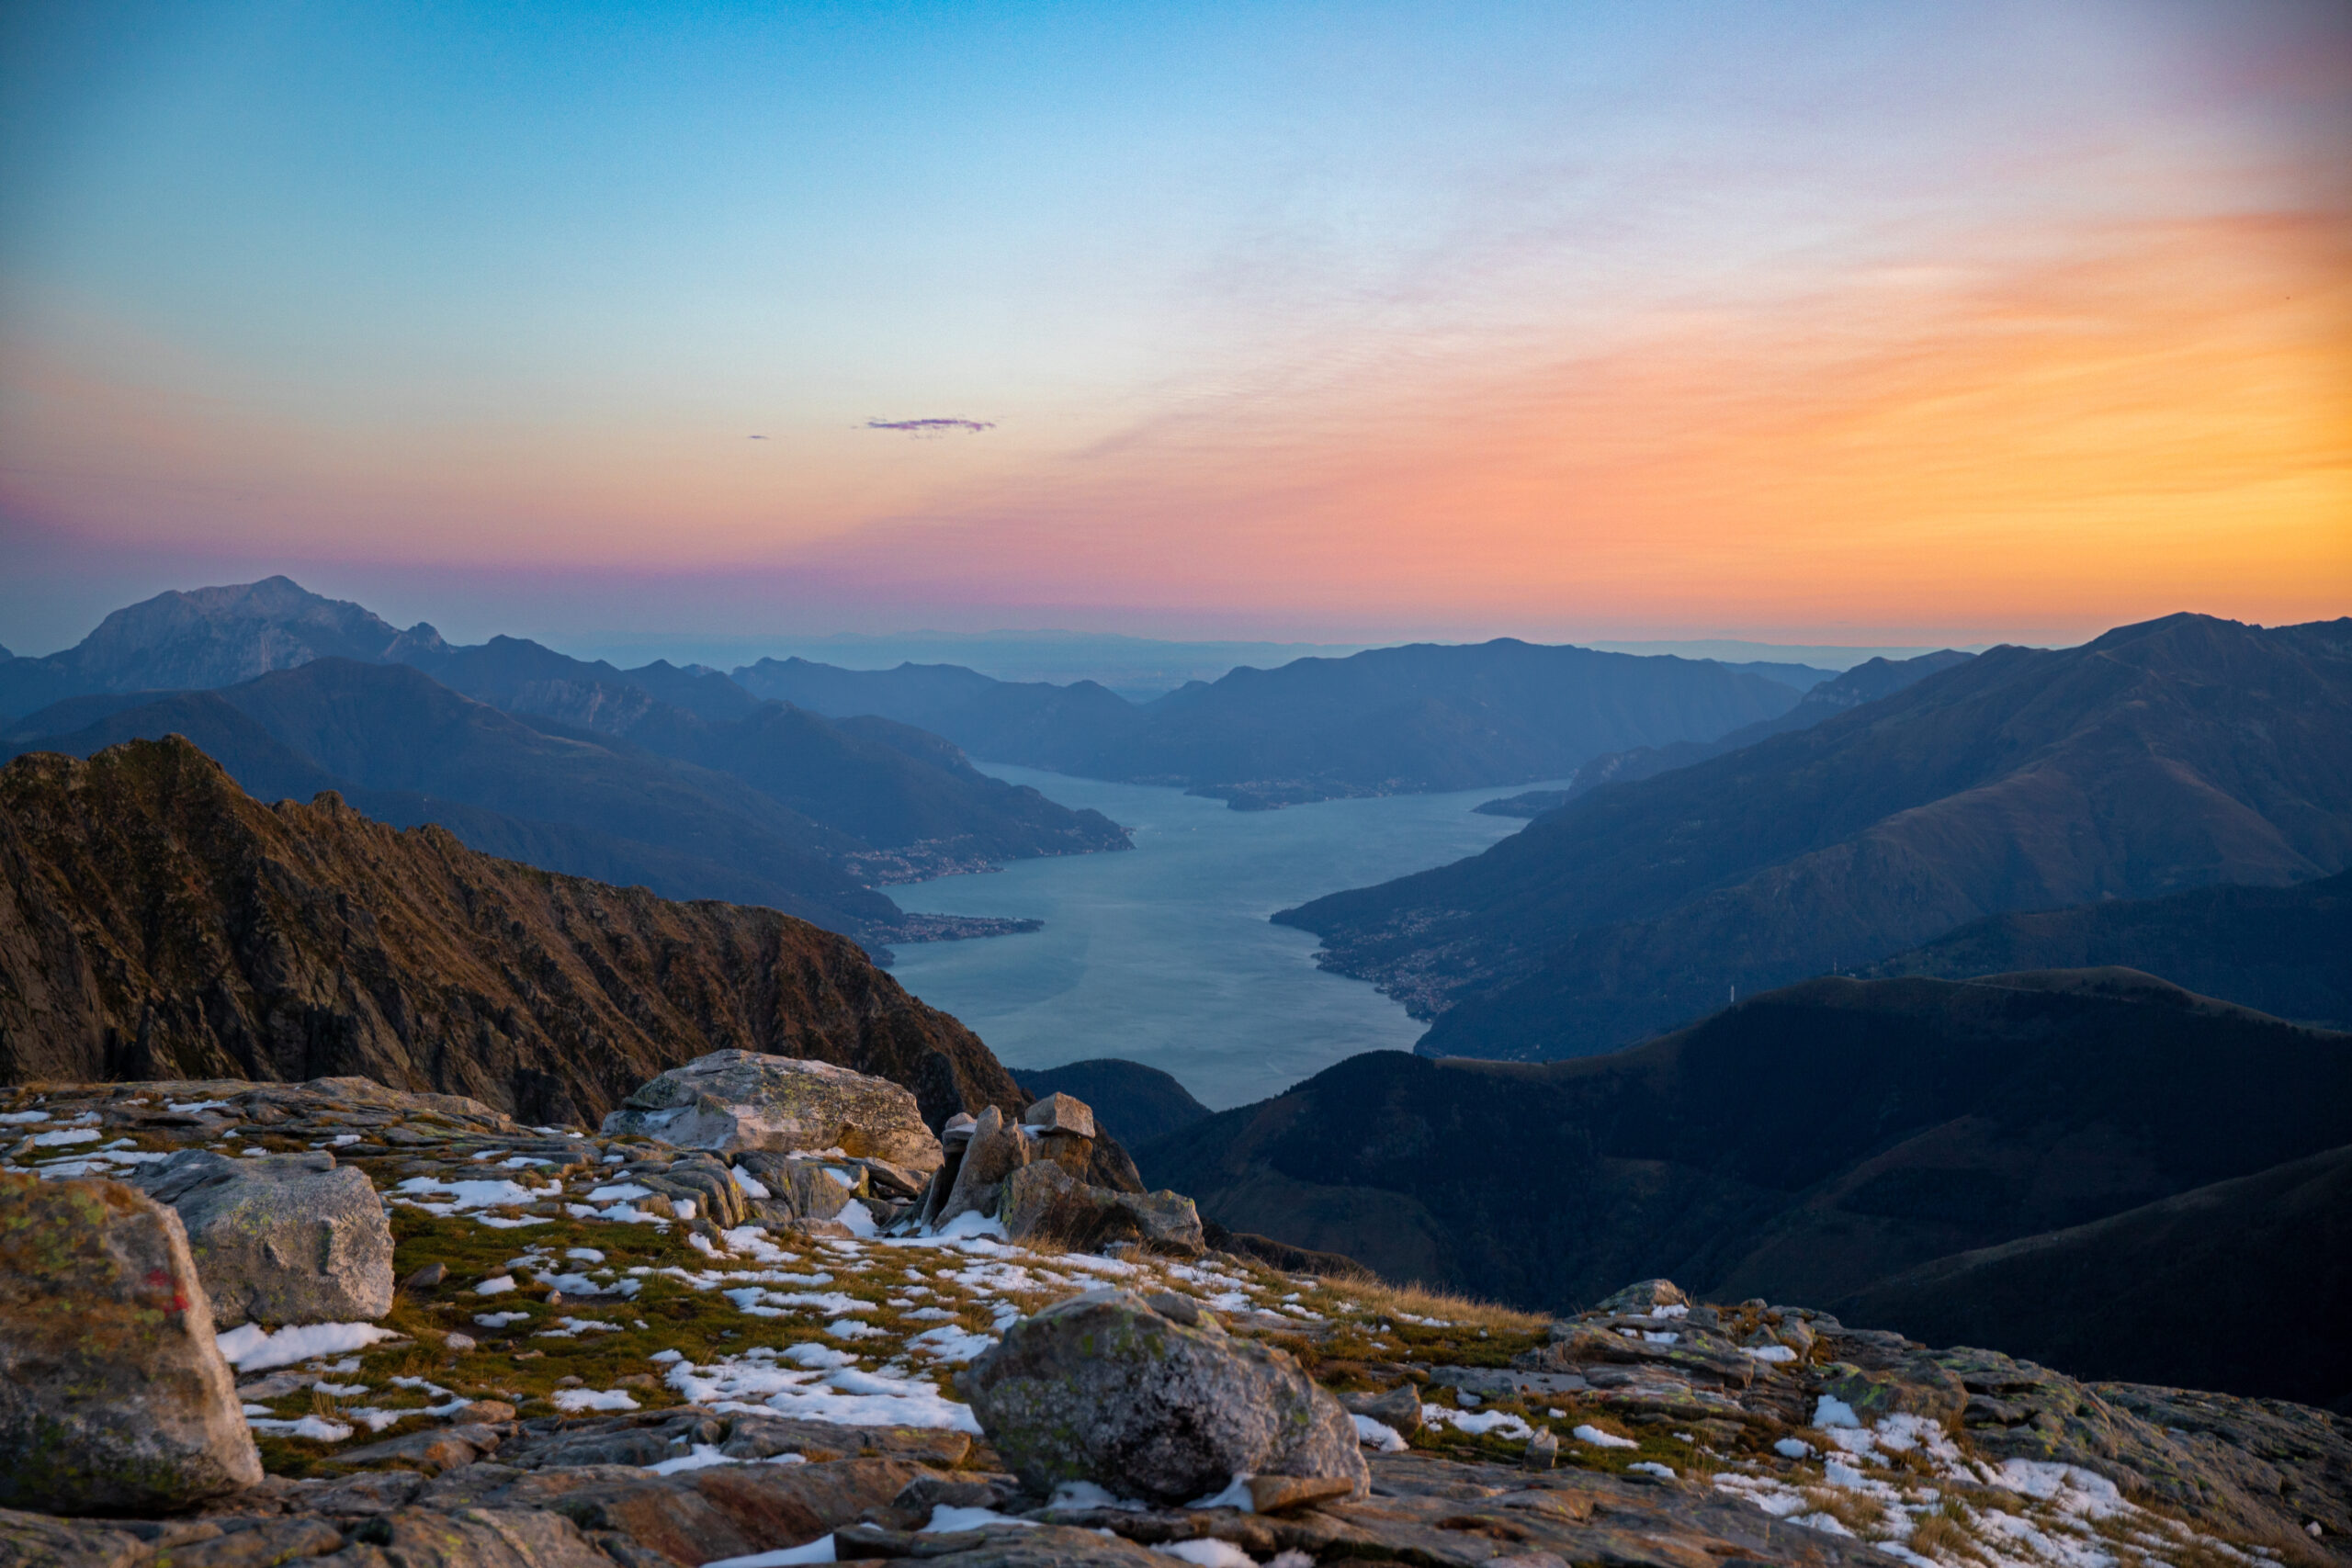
column 1165, row 956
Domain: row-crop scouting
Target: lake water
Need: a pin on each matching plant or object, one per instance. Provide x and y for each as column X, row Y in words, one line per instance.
column 1165, row 955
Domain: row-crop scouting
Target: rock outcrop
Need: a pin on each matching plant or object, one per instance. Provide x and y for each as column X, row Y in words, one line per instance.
column 1044, row 1202
column 732, row 1101
column 113, row 1397
column 2265, row 1468
column 972, row 1181
column 1105, row 1389
column 1048, row 1180
column 279, row 1238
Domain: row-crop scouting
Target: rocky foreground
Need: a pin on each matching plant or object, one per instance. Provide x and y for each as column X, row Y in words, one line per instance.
column 256, row 1323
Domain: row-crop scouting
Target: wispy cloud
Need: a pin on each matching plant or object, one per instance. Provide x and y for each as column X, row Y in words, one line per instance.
column 931, row 426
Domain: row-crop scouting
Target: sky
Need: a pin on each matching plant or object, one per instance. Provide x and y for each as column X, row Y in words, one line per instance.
column 1820, row 323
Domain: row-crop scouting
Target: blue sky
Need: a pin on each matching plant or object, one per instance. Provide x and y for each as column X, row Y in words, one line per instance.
column 464, row 299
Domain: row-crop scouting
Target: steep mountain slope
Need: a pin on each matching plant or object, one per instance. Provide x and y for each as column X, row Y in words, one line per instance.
column 1391, row 720
column 2284, row 951
column 1137, row 1103
column 908, row 796
column 779, row 806
column 2136, row 1296
column 158, row 921
column 1865, row 682
column 209, row 637
column 569, row 802
column 2164, row 756
column 1799, row 1146
column 917, row 807
column 270, row 771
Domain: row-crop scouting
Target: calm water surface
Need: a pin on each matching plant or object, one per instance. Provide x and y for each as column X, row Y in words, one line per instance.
column 1164, row 955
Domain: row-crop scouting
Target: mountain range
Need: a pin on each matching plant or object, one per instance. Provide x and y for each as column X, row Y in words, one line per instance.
column 1857, row 1141
column 674, row 779
column 1387, row 721
column 2159, row 758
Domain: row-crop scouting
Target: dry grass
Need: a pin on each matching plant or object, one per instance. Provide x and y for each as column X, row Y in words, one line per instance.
column 1381, row 1300
column 1940, row 1535
column 1853, row 1510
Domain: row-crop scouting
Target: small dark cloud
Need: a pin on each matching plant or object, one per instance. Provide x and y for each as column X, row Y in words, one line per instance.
column 931, row 426
column 758, row 438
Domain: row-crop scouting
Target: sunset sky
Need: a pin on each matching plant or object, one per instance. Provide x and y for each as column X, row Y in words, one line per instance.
column 1907, row 323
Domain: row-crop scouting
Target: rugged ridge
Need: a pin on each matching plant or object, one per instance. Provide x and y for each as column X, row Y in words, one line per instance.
column 156, row 921
column 2165, row 756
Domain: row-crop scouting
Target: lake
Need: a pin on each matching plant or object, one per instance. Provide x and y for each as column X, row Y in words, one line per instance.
column 1165, row 955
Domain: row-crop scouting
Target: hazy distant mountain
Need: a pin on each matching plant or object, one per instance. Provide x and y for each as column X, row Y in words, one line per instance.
column 1392, row 720
column 1865, row 682
column 1066, row 728
column 207, row 638
column 2169, row 755
column 2286, row 951
column 523, row 677
column 1803, row 1146
column 818, row 811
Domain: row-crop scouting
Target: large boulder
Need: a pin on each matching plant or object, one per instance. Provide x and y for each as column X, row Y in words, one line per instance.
column 279, row 1238
column 1102, row 1388
column 114, row 1398
column 732, row 1101
column 1042, row 1201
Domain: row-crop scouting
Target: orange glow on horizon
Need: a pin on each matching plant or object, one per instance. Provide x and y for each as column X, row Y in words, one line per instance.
column 2160, row 420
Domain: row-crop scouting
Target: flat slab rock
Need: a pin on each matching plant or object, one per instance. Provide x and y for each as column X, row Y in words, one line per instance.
column 1423, row 1510
column 1429, row 1510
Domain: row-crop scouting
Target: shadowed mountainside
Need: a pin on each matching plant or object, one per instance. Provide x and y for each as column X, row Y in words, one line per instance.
column 779, row 806
column 2134, row 1297
column 1799, row 1146
column 1137, row 1103
column 2283, row 950
column 1865, row 682
column 2164, row 756
column 156, row 921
